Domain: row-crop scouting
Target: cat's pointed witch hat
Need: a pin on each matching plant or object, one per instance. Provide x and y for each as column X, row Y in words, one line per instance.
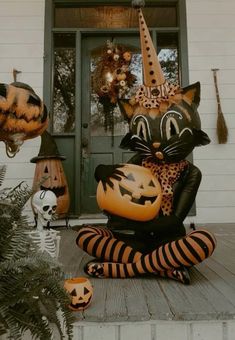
column 155, row 89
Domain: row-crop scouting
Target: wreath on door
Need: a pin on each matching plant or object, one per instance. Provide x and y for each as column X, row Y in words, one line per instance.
column 112, row 79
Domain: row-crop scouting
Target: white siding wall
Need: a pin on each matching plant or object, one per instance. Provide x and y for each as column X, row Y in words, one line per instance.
column 21, row 47
column 211, row 43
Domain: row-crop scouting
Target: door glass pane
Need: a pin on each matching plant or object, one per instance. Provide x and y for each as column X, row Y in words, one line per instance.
column 63, row 116
column 113, row 16
column 167, row 46
column 105, row 116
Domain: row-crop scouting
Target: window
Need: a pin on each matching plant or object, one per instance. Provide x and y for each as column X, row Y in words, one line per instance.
column 63, row 119
column 113, row 16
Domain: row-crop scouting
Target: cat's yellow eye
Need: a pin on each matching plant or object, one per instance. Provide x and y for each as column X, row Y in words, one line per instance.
column 172, row 127
column 141, row 130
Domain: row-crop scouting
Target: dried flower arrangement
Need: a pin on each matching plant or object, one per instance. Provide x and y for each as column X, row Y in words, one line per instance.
column 112, row 79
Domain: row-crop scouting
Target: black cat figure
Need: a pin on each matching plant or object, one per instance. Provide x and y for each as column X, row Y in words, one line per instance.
column 164, row 129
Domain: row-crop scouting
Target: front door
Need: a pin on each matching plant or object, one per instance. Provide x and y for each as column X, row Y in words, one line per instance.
column 102, row 126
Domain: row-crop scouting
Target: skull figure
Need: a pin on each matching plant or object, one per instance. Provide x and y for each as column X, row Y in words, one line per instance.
column 44, row 203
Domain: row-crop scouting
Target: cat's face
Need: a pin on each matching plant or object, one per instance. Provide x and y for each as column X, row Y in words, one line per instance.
column 170, row 136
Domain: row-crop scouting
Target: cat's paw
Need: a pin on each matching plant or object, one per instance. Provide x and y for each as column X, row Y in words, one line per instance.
column 182, row 275
column 94, row 269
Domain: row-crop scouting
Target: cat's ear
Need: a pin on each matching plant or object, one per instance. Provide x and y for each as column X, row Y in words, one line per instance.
column 191, row 94
column 200, row 137
column 126, row 108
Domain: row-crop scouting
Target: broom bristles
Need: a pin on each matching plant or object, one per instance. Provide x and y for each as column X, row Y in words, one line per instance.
column 222, row 130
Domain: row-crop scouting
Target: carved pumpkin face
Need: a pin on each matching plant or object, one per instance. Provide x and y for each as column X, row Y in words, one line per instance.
column 23, row 115
column 137, row 196
column 80, row 291
column 52, row 169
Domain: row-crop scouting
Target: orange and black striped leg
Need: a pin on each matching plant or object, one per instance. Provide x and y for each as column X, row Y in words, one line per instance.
column 118, row 270
column 184, row 252
column 100, row 243
column 166, row 260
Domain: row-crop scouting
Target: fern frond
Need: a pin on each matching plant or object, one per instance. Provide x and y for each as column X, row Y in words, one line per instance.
column 31, row 282
column 2, row 173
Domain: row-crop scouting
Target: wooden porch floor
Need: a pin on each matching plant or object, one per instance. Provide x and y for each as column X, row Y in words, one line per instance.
column 211, row 295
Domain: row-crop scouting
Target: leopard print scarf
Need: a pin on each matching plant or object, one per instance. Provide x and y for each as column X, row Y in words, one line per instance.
column 167, row 174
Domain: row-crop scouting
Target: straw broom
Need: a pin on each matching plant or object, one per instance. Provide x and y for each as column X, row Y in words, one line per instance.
column 221, row 130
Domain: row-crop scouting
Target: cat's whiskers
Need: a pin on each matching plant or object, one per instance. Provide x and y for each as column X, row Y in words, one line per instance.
column 144, row 146
column 136, row 136
column 144, row 152
column 170, row 146
column 176, row 152
column 176, row 149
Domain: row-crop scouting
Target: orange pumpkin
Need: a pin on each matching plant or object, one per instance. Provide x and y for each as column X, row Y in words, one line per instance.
column 23, row 115
column 56, row 181
column 80, row 291
column 136, row 196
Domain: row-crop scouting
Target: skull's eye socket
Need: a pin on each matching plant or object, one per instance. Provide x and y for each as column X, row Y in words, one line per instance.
column 45, row 208
column 74, row 293
column 86, row 291
column 54, row 207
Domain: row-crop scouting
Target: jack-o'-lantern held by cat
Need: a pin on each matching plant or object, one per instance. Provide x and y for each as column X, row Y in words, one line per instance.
column 136, row 196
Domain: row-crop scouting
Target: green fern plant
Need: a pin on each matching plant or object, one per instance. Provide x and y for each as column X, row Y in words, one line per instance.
column 32, row 296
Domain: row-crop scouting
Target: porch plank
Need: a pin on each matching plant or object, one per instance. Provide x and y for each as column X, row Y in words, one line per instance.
column 156, row 300
column 223, row 306
column 220, row 278
column 135, row 300
column 187, row 302
column 97, row 309
column 211, row 295
column 116, row 300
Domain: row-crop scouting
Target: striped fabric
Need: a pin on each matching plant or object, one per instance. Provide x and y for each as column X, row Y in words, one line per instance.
column 119, row 260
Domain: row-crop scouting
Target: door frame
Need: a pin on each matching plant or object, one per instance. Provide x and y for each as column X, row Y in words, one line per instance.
column 48, row 69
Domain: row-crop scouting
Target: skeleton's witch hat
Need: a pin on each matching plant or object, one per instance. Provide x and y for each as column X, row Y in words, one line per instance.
column 155, row 88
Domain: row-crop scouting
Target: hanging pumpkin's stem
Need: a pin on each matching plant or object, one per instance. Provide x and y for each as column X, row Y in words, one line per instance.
column 15, row 73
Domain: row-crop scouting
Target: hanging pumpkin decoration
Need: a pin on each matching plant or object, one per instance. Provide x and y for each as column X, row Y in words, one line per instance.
column 136, row 196
column 49, row 173
column 80, row 291
column 23, row 115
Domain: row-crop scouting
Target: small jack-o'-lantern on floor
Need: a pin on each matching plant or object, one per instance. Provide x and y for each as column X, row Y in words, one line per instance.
column 49, row 173
column 23, row 115
column 136, row 196
column 80, row 291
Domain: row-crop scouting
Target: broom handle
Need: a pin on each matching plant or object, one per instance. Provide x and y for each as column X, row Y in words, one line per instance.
column 216, row 88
